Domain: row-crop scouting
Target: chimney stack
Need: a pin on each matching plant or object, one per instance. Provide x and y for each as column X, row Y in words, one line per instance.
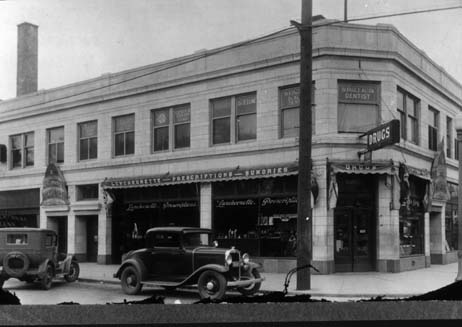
column 26, row 80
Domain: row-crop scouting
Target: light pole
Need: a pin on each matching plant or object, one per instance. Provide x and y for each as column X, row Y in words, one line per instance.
column 458, row 125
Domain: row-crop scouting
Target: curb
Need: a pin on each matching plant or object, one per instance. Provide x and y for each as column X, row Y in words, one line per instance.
column 313, row 294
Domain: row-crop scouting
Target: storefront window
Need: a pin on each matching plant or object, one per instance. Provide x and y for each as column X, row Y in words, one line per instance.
column 411, row 219
column 451, row 221
column 257, row 216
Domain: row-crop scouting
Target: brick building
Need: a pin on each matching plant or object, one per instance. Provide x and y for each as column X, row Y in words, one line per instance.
column 210, row 140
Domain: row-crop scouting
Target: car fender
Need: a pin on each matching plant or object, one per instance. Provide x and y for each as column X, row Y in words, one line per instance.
column 42, row 269
column 132, row 262
column 195, row 275
column 66, row 263
column 254, row 265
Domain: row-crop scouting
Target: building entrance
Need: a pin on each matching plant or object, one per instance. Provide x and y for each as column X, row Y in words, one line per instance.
column 355, row 223
column 354, row 239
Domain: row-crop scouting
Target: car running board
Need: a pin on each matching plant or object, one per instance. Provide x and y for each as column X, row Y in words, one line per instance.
column 161, row 283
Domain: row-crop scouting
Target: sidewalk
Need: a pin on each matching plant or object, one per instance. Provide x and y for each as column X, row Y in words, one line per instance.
column 354, row 285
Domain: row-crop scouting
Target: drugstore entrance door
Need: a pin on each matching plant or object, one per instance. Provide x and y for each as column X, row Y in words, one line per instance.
column 354, row 240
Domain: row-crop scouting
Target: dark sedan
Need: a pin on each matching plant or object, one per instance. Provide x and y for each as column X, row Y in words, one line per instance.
column 179, row 256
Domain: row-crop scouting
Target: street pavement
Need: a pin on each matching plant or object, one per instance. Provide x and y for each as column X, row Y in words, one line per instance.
column 341, row 285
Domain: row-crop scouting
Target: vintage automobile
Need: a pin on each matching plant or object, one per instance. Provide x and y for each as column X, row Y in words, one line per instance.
column 181, row 256
column 31, row 254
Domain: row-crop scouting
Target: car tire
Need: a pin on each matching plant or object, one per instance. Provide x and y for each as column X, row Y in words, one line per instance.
column 74, row 271
column 131, row 280
column 15, row 264
column 211, row 285
column 47, row 280
column 252, row 288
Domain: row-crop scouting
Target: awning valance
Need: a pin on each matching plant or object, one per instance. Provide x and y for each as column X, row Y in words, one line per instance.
column 201, row 176
column 363, row 167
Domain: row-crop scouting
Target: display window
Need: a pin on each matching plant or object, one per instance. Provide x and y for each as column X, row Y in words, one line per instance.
column 257, row 216
column 411, row 219
column 451, row 222
column 135, row 210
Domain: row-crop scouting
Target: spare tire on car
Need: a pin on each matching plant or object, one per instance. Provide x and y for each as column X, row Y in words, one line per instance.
column 15, row 264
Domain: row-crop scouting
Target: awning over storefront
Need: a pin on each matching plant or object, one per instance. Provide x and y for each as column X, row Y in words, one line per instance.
column 362, row 167
column 201, row 176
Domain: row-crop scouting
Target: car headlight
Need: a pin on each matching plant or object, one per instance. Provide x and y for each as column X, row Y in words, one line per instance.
column 228, row 259
column 246, row 258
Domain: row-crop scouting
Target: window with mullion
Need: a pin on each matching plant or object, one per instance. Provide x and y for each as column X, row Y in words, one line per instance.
column 16, row 151
column 221, row 120
column 408, row 108
column 22, row 150
column 56, row 145
column 171, row 128
column 433, row 129
column 124, row 135
column 234, row 118
column 449, row 137
column 88, row 140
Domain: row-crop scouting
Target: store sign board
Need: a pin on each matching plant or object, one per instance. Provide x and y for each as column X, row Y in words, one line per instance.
column 164, row 205
column 201, row 177
column 362, row 167
column 383, row 135
column 361, row 93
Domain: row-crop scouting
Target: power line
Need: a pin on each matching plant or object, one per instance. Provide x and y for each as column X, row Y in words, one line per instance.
column 233, row 46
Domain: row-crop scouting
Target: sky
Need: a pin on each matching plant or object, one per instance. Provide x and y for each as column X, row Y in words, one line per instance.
column 83, row 39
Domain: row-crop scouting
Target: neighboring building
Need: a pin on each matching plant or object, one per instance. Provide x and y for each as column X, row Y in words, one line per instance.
column 210, row 140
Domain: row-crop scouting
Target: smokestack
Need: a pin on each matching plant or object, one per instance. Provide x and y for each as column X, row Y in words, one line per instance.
column 26, row 79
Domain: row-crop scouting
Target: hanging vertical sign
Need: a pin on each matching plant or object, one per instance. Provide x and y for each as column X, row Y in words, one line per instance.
column 383, row 135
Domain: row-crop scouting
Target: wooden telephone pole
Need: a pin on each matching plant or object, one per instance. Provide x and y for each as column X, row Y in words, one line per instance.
column 305, row 219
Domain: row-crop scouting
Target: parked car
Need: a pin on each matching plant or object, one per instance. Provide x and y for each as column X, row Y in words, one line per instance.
column 180, row 256
column 31, row 254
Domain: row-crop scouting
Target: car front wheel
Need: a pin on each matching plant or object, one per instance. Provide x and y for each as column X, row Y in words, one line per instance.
column 46, row 281
column 252, row 288
column 211, row 285
column 74, row 271
column 131, row 280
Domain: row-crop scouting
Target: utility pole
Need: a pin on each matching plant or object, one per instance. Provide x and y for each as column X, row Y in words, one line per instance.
column 345, row 14
column 305, row 219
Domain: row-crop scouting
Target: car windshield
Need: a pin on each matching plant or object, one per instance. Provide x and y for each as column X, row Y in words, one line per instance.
column 197, row 239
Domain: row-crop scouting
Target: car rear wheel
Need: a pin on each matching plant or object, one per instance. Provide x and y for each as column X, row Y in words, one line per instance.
column 211, row 285
column 131, row 280
column 74, row 271
column 46, row 281
column 252, row 288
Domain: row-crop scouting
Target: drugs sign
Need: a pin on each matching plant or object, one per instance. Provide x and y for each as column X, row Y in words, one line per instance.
column 383, row 135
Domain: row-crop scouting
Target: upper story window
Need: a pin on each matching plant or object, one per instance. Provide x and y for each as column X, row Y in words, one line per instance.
column 171, row 128
column 234, row 118
column 289, row 106
column 433, row 129
column 124, row 135
column 88, row 140
column 449, row 137
column 358, row 106
column 55, row 138
column 408, row 108
column 87, row 192
column 22, row 150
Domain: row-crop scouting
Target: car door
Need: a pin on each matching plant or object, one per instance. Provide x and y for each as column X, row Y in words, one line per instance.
column 167, row 257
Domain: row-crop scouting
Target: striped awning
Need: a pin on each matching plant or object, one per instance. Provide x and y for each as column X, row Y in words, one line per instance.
column 201, row 176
